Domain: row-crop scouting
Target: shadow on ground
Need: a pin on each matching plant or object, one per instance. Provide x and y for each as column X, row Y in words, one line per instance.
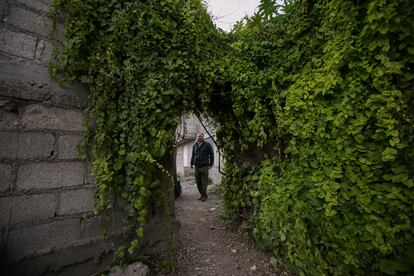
column 206, row 247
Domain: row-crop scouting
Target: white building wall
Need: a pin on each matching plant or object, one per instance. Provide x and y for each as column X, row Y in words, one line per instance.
column 186, row 155
column 179, row 161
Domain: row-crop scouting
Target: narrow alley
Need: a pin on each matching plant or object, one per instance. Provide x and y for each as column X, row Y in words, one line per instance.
column 206, row 247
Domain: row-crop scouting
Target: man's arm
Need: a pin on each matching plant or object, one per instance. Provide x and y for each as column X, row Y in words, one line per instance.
column 192, row 158
column 210, row 155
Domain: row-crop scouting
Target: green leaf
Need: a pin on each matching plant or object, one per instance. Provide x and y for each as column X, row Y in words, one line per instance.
column 389, row 154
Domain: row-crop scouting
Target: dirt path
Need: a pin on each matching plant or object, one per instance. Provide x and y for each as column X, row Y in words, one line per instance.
column 206, row 248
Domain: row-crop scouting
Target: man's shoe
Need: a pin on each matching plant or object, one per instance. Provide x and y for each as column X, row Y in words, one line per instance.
column 200, row 198
column 203, row 199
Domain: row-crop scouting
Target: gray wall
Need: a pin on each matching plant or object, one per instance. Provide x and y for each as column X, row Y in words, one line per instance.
column 47, row 225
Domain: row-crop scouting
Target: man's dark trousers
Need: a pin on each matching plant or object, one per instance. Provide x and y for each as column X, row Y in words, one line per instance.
column 201, row 175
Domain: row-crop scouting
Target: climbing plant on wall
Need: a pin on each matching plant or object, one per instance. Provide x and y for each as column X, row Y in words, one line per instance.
column 145, row 63
column 315, row 106
column 321, row 147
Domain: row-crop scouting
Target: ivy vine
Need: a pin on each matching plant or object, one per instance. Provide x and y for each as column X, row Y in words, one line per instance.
column 145, row 63
column 322, row 97
column 314, row 101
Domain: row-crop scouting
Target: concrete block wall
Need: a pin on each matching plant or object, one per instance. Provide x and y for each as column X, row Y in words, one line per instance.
column 190, row 126
column 47, row 225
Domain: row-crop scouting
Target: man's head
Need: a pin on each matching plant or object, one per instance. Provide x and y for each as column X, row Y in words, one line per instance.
column 200, row 137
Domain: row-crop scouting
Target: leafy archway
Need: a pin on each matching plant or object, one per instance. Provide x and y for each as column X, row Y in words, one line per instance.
column 315, row 109
column 146, row 63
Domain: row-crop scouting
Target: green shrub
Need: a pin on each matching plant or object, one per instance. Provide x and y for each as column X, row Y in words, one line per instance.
column 315, row 107
column 329, row 86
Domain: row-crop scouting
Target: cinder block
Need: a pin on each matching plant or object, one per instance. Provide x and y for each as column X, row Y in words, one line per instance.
column 2, row 10
column 93, row 226
column 67, row 258
column 116, row 223
column 89, row 267
column 8, row 120
column 36, row 145
column 157, row 237
column 26, row 145
column 89, row 177
column 40, row 117
column 33, row 207
column 47, row 238
column 31, row 81
column 49, row 175
column 4, row 211
column 192, row 127
column 41, row 5
column 43, row 238
column 75, row 202
column 28, row 20
column 18, row 44
column 43, row 51
column 67, row 146
column 5, row 177
column 8, row 144
column 4, row 90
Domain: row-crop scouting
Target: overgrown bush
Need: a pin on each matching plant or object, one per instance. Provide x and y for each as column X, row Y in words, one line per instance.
column 145, row 63
column 315, row 106
column 329, row 86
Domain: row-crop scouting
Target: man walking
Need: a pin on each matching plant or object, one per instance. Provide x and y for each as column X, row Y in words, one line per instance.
column 202, row 158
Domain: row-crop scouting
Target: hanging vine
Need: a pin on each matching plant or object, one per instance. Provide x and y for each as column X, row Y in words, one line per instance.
column 325, row 90
column 314, row 102
column 144, row 62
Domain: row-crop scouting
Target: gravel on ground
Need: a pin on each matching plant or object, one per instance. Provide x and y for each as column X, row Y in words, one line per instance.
column 206, row 247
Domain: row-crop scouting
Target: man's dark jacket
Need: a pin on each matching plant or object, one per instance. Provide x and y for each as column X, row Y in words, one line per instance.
column 202, row 155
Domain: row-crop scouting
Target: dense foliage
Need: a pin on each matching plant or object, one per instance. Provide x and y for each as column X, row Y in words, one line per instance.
column 323, row 100
column 145, row 62
column 315, row 106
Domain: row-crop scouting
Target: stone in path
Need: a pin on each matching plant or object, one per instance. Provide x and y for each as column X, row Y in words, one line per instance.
column 135, row 269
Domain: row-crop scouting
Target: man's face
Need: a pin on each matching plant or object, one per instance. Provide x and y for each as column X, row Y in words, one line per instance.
column 200, row 138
